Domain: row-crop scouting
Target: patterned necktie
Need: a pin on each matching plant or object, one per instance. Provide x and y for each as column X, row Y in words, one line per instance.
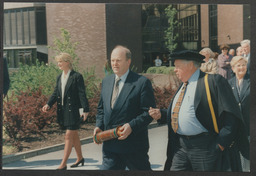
column 176, row 109
column 115, row 92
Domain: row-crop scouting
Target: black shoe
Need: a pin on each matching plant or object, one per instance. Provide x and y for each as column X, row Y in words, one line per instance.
column 64, row 168
column 76, row 164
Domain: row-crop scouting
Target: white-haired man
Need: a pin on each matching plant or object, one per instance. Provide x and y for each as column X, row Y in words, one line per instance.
column 245, row 44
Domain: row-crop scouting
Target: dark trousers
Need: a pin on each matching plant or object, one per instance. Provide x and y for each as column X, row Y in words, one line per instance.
column 133, row 161
column 198, row 153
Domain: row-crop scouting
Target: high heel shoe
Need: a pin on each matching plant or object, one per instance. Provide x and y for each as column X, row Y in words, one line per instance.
column 64, row 168
column 76, row 164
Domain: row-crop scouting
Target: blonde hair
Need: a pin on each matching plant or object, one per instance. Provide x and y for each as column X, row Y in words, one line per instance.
column 236, row 59
column 64, row 57
column 208, row 51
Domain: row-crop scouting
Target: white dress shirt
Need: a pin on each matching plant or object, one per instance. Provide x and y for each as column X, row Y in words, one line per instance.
column 64, row 80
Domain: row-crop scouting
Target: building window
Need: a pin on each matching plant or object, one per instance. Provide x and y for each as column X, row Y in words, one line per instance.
column 24, row 29
column 19, row 27
column 189, row 28
column 23, row 56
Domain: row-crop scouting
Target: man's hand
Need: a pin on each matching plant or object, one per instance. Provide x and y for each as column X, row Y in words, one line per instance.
column 154, row 113
column 96, row 130
column 126, row 130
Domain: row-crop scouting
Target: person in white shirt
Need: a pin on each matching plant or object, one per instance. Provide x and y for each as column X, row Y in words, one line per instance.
column 158, row 62
column 70, row 96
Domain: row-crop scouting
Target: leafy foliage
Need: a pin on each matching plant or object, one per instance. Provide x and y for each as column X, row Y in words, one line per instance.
column 33, row 77
column 93, row 104
column 30, row 89
column 91, row 82
column 24, row 117
column 163, row 96
column 160, row 70
column 64, row 44
column 170, row 35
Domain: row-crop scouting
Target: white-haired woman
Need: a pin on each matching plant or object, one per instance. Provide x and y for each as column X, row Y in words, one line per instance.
column 210, row 66
column 240, row 84
column 69, row 93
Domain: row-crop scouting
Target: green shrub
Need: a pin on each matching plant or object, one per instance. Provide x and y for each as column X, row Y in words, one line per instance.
column 40, row 75
column 91, row 82
column 64, row 44
column 33, row 77
column 160, row 70
column 169, row 70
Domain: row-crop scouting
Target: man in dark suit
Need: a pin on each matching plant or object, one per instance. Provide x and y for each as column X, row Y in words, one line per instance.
column 195, row 143
column 129, row 109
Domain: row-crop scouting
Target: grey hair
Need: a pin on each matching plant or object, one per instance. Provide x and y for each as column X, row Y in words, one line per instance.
column 245, row 42
column 195, row 63
column 207, row 50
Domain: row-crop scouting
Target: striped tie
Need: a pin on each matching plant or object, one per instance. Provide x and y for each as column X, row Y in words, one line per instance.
column 115, row 92
column 176, row 109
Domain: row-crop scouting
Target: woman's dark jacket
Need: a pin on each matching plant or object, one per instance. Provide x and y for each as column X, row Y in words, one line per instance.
column 243, row 99
column 74, row 98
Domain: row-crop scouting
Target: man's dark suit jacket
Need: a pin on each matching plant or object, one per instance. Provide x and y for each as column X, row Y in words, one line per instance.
column 74, row 98
column 243, row 99
column 229, row 120
column 130, row 107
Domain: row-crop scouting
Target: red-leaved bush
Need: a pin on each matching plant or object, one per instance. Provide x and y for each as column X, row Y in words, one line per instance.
column 163, row 96
column 24, row 116
column 93, row 104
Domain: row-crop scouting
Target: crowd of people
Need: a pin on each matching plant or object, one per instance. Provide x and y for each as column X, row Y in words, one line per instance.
column 221, row 64
column 218, row 114
column 208, row 117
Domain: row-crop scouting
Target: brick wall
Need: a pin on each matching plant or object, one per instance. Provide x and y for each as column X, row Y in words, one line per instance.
column 230, row 22
column 86, row 23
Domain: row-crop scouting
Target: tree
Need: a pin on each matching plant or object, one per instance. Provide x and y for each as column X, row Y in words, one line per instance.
column 170, row 36
column 64, row 44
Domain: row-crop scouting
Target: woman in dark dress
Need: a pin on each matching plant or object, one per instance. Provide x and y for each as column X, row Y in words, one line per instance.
column 70, row 96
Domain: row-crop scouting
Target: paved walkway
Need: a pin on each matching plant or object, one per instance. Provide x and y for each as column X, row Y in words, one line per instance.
column 93, row 155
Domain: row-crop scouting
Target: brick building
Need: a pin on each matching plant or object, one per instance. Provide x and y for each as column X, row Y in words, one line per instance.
column 30, row 27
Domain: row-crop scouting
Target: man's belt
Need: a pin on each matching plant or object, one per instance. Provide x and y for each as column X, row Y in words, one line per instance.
column 194, row 136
